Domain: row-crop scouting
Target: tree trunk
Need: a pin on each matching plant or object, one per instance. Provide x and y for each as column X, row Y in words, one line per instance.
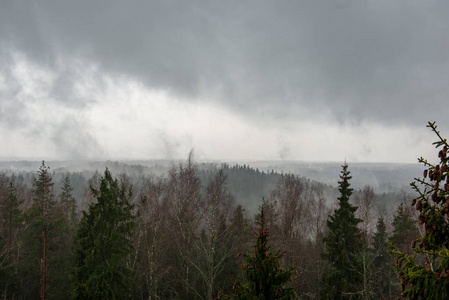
column 44, row 264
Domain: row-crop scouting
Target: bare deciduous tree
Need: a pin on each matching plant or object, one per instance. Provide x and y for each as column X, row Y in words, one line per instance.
column 184, row 195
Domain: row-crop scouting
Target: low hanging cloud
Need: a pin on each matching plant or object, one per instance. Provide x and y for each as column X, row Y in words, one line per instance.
column 342, row 63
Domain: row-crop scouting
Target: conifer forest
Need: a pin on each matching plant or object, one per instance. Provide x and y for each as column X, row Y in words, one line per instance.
column 185, row 235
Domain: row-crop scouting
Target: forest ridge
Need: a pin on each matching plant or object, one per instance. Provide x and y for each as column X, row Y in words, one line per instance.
column 179, row 234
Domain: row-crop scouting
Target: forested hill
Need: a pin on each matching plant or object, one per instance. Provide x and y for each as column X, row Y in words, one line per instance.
column 185, row 222
column 249, row 183
column 383, row 177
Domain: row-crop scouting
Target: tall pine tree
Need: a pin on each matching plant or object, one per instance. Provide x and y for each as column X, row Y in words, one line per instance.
column 104, row 241
column 344, row 242
column 44, row 223
column 68, row 202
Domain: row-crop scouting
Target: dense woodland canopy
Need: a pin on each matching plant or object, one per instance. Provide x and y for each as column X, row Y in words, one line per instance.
column 189, row 233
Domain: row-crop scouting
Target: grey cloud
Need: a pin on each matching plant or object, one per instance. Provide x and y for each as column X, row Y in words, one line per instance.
column 383, row 61
column 73, row 141
column 64, row 87
column 67, row 136
column 11, row 106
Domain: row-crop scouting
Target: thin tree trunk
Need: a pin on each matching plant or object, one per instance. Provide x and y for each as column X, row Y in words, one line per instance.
column 9, row 242
column 44, row 262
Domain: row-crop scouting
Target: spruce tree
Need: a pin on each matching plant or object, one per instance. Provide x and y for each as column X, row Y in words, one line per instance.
column 430, row 279
column 44, row 224
column 68, row 202
column 382, row 261
column 405, row 229
column 264, row 278
column 104, row 242
column 344, row 242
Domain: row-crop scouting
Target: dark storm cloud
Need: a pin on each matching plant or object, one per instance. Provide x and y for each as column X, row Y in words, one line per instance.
column 382, row 61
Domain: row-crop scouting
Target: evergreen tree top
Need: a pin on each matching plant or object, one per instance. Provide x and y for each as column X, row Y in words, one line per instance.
column 381, row 233
column 343, row 243
column 43, row 188
column 104, row 241
column 344, row 185
column 264, row 276
column 344, row 172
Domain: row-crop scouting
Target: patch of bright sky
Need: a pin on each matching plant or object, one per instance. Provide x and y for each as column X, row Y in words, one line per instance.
column 131, row 121
column 126, row 120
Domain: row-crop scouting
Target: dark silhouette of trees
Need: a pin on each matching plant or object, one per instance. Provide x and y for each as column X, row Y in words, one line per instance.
column 10, row 224
column 10, row 216
column 405, row 229
column 382, row 261
column 104, row 243
column 68, row 202
column 344, row 242
column 182, row 239
column 44, row 228
column 264, row 278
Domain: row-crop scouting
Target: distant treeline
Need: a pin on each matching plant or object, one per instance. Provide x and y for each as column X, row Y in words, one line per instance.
column 187, row 225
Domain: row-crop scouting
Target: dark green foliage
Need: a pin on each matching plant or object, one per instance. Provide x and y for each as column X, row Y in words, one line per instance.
column 249, row 185
column 9, row 287
column 344, row 242
column 10, row 216
column 382, row 270
column 240, row 229
column 39, row 263
column 186, row 238
column 405, row 229
column 104, row 242
column 430, row 279
column 380, row 241
column 264, row 278
column 63, row 258
column 68, row 202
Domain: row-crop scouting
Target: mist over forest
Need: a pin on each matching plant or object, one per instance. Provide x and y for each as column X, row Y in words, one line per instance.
column 216, row 207
column 384, row 178
column 306, row 119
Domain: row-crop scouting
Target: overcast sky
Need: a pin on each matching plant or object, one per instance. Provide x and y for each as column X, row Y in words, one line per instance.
column 320, row 80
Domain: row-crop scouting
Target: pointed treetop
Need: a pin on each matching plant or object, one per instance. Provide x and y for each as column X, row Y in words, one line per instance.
column 344, row 185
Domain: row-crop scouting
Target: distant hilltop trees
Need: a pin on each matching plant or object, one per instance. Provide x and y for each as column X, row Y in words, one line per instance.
column 208, row 231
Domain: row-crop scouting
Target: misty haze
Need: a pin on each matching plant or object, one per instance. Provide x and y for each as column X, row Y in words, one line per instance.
column 224, row 150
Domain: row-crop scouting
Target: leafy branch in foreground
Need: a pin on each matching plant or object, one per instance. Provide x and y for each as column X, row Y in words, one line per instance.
column 429, row 280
